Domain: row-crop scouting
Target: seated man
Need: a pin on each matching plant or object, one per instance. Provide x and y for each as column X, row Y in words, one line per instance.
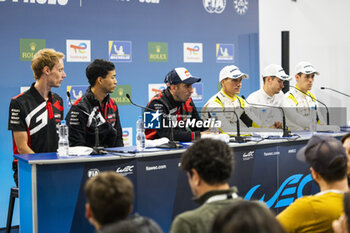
column 208, row 164
column 96, row 109
column 270, row 94
column 227, row 101
column 299, row 101
column 175, row 102
column 36, row 113
column 109, row 202
column 328, row 165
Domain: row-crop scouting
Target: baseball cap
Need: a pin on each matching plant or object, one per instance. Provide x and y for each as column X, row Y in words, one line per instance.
column 231, row 72
column 305, row 68
column 321, row 151
column 276, row 71
column 180, row 75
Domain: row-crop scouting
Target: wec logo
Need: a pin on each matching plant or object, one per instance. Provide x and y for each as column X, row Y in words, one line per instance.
column 50, row 2
column 285, row 195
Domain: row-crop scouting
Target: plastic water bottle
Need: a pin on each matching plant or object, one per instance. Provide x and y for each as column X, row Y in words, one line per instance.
column 63, row 141
column 213, row 120
column 313, row 120
column 140, row 135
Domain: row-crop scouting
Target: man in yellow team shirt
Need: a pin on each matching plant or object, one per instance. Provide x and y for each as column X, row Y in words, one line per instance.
column 328, row 165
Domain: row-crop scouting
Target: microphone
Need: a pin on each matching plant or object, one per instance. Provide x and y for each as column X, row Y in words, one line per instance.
column 97, row 149
column 327, row 88
column 317, row 101
column 286, row 133
column 171, row 143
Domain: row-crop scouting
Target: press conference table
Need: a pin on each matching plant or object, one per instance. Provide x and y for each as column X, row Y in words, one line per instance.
column 51, row 195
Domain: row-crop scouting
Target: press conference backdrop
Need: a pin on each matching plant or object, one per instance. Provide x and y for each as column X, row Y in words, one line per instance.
column 144, row 38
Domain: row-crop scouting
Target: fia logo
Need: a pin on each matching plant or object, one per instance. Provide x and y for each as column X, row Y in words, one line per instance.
column 152, row 120
column 214, row 6
column 93, row 172
column 241, row 6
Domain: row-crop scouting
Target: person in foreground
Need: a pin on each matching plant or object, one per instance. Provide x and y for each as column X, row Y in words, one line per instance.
column 35, row 114
column 328, row 165
column 342, row 225
column 246, row 216
column 109, row 203
column 176, row 102
column 96, row 109
column 208, row 164
column 346, row 144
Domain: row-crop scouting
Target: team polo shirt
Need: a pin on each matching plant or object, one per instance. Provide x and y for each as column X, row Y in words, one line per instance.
column 39, row 118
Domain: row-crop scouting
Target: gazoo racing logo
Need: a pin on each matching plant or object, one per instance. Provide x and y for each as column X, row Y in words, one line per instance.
column 152, row 120
column 285, row 195
column 50, row 2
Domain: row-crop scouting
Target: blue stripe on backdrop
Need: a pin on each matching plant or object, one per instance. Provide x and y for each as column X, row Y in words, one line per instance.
column 138, row 21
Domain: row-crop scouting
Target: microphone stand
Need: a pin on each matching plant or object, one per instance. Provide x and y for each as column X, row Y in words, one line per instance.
column 171, row 144
column 97, row 149
column 286, row 132
column 323, row 88
column 316, row 100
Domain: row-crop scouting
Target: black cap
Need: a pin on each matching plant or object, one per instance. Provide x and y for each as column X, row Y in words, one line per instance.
column 321, row 151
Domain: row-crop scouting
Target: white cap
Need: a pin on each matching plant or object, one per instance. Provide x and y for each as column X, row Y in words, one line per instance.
column 231, row 72
column 305, row 68
column 274, row 70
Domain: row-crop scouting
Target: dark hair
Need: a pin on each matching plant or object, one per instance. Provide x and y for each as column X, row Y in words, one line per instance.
column 98, row 68
column 110, row 196
column 212, row 159
column 246, row 216
column 343, row 139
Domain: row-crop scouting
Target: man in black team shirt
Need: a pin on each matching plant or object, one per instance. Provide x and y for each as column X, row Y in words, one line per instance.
column 96, row 107
column 34, row 115
column 176, row 101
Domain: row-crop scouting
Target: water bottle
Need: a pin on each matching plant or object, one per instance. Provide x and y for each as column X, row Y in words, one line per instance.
column 213, row 121
column 313, row 120
column 63, row 142
column 140, row 135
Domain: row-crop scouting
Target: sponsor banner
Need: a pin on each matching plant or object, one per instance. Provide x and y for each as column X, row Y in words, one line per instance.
column 119, row 94
column 119, row 51
column 157, row 52
column 214, row 6
column 78, row 50
column 75, row 93
column 154, row 89
column 193, row 52
column 127, row 136
column 29, row 47
column 197, row 95
column 241, row 6
column 224, row 53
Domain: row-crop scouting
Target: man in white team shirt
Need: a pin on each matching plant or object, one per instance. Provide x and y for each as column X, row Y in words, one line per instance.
column 270, row 94
column 299, row 101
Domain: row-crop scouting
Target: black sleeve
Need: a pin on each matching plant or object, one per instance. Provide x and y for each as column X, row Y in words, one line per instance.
column 119, row 130
column 16, row 117
column 76, row 121
column 180, row 134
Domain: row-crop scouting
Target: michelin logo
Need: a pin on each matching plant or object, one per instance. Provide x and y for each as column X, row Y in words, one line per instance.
column 214, row 6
